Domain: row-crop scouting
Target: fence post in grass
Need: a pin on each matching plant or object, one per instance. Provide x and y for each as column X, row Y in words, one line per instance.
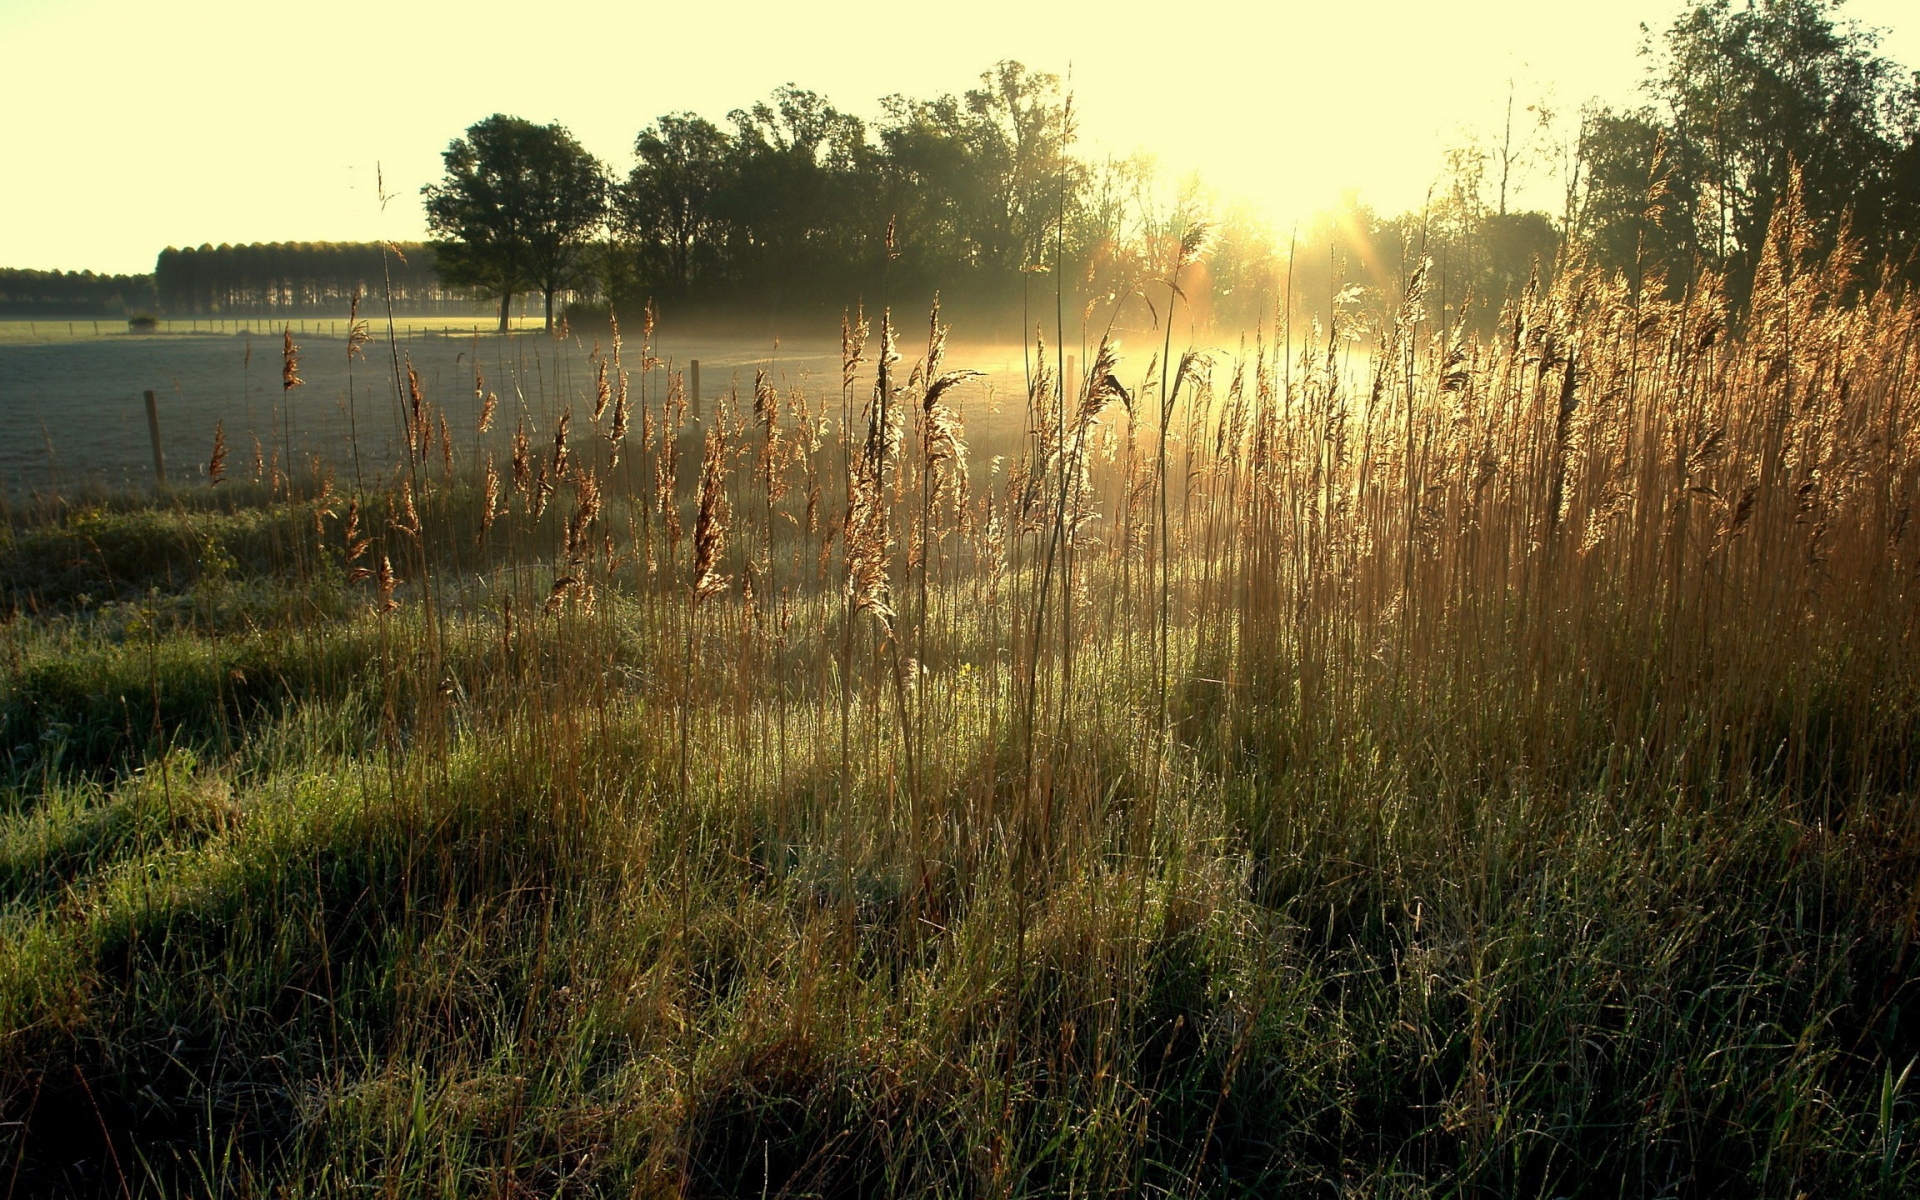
column 693, row 385
column 153, row 431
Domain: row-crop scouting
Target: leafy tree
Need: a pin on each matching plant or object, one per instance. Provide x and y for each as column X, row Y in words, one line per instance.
column 932, row 186
column 978, row 182
column 1635, row 209
column 1024, row 139
column 517, row 210
column 1483, row 251
column 792, row 203
column 667, row 207
column 1739, row 98
column 797, row 198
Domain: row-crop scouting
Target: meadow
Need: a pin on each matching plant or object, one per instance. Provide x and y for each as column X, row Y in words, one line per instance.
column 73, row 423
column 1420, row 766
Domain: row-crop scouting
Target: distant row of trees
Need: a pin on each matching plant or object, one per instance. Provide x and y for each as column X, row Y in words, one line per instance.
column 262, row 278
column 73, row 294
column 300, row 277
column 292, row 277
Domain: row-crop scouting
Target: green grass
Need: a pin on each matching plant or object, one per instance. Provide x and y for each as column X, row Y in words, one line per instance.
column 1487, row 847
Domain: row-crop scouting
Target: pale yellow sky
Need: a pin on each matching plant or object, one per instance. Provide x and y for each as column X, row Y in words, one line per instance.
column 131, row 125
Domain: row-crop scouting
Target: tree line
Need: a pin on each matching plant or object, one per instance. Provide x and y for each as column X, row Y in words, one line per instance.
column 25, row 293
column 250, row 279
column 794, row 202
column 293, row 277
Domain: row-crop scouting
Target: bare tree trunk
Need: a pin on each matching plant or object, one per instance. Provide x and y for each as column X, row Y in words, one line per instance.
column 506, row 310
column 549, row 294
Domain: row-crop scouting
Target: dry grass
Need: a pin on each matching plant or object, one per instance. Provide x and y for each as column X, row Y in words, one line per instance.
column 1491, row 775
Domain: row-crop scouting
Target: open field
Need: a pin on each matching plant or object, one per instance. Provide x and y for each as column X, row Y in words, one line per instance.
column 72, row 417
column 1478, row 769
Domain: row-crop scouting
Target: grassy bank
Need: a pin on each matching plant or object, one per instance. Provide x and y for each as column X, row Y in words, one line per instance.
column 1491, row 775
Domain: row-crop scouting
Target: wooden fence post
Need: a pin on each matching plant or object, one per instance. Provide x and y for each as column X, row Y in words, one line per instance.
column 693, row 396
column 153, row 432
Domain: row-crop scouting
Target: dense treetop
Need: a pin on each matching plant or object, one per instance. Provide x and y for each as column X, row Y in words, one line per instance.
column 1737, row 100
column 515, row 210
